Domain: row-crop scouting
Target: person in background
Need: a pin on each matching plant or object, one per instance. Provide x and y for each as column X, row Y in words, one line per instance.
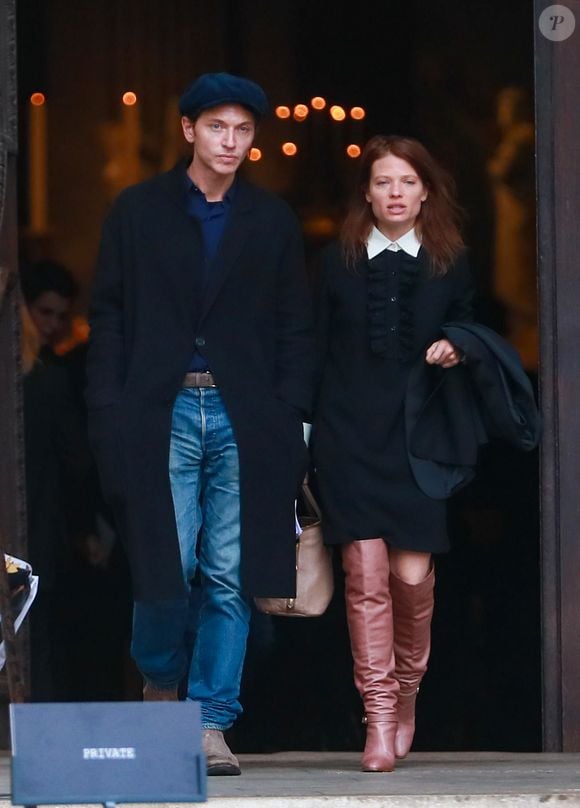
column 55, row 451
column 49, row 291
column 199, row 378
column 397, row 273
column 80, row 619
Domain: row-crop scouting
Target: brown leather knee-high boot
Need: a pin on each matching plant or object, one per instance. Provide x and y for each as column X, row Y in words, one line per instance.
column 370, row 624
column 412, row 613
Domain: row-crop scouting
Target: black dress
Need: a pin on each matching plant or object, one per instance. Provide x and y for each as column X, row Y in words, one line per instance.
column 374, row 321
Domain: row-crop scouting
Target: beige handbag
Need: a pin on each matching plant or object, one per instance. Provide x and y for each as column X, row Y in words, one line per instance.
column 314, row 573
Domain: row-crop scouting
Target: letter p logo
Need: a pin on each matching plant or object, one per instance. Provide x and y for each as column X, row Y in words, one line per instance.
column 557, row 23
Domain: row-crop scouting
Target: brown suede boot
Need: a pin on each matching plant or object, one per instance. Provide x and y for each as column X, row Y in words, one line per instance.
column 412, row 613
column 220, row 758
column 370, row 624
column 152, row 693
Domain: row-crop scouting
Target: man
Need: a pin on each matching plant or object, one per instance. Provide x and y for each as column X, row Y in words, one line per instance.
column 198, row 381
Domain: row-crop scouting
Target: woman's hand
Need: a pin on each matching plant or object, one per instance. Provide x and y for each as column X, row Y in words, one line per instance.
column 443, row 353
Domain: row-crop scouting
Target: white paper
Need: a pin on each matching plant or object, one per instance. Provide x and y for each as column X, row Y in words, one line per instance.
column 297, row 523
column 18, row 620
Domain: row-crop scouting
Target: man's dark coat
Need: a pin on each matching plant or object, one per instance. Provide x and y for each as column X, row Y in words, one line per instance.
column 252, row 323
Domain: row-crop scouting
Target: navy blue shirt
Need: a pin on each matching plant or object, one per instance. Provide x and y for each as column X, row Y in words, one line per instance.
column 212, row 217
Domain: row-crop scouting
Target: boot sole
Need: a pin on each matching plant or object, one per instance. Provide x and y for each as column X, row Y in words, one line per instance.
column 223, row 769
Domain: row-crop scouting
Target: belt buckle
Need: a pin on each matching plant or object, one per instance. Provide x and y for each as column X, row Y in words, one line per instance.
column 199, row 378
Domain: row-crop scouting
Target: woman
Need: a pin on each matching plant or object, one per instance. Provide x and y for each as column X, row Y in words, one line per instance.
column 397, row 273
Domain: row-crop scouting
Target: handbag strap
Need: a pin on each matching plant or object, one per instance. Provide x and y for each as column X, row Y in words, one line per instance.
column 309, row 497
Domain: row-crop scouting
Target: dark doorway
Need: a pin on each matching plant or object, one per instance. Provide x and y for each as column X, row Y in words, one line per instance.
column 457, row 75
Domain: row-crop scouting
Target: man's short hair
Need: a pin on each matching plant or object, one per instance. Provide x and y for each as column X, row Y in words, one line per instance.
column 214, row 89
column 46, row 276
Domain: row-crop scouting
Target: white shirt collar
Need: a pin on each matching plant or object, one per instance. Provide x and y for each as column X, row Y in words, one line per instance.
column 377, row 242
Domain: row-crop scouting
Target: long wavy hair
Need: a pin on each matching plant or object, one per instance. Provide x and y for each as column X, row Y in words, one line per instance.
column 439, row 220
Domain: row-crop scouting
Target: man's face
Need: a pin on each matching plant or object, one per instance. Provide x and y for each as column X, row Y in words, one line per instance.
column 222, row 137
column 49, row 313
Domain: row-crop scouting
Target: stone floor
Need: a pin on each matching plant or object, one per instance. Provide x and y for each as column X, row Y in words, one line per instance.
column 437, row 780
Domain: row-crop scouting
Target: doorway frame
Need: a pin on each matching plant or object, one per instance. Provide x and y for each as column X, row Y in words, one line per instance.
column 557, row 97
column 557, row 85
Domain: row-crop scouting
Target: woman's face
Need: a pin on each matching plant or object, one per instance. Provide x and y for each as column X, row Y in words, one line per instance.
column 395, row 194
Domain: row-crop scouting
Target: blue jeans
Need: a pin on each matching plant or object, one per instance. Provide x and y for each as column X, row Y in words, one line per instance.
column 204, row 474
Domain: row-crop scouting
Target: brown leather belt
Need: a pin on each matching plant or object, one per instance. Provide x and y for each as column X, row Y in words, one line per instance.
column 198, row 380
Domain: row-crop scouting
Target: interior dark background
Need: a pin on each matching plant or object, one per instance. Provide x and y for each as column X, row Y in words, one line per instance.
column 431, row 70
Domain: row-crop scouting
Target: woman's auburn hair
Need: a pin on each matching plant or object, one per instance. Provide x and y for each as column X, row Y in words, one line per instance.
column 439, row 220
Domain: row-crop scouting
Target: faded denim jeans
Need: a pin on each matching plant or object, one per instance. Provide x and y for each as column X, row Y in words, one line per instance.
column 204, row 474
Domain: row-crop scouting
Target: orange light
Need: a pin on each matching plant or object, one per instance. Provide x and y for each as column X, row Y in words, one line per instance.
column 301, row 112
column 318, row 102
column 283, row 112
column 337, row 113
column 37, row 99
column 129, row 99
column 289, row 149
column 353, row 150
column 357, row 113
column 255, row 154
column 320, row 226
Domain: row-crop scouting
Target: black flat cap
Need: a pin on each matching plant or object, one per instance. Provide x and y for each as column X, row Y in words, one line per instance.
column 214, row 89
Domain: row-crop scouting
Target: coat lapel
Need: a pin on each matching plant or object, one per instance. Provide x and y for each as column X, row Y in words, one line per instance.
column 236, row 234
column 189, row 273
column 173, row 183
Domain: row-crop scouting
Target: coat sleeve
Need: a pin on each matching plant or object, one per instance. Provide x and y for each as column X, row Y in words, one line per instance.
column 68, row 432
column 322, row 315
column 294, row 329
column 106, row 353
column 70, row 444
